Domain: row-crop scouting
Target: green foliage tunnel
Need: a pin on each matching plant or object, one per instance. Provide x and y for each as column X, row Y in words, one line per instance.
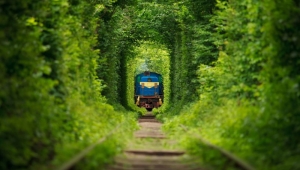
column 230, row 68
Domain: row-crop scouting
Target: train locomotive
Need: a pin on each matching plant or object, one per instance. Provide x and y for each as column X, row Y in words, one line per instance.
column 148, row 90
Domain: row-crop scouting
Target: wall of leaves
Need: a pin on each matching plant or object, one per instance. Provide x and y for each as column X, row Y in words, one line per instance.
column 51, row 105
column 248, row 92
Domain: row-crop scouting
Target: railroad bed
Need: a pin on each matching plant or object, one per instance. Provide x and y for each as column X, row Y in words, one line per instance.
column 152, row 150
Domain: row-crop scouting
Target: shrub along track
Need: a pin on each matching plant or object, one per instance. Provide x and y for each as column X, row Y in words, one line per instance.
column 152, row 150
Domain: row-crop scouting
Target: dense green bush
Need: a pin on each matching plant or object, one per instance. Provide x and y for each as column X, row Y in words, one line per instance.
column 192, row 46
column 50, row 102
column 115, row 43
column 249, row 100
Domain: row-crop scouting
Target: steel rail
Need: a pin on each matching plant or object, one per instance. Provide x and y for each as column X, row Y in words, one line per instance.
column 79, row 156
column 238, row 161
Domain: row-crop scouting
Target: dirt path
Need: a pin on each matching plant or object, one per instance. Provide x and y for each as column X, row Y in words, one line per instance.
column 152, row 150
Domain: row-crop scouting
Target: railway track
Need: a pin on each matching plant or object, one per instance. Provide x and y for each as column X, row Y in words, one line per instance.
column 152, row 150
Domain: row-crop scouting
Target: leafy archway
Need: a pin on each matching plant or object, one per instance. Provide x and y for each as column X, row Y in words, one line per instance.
column 149, row 56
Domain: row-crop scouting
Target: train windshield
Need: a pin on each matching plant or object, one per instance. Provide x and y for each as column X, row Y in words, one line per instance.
column 149, row 79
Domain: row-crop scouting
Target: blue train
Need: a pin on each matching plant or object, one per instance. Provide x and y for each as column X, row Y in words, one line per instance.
column 148, row 90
